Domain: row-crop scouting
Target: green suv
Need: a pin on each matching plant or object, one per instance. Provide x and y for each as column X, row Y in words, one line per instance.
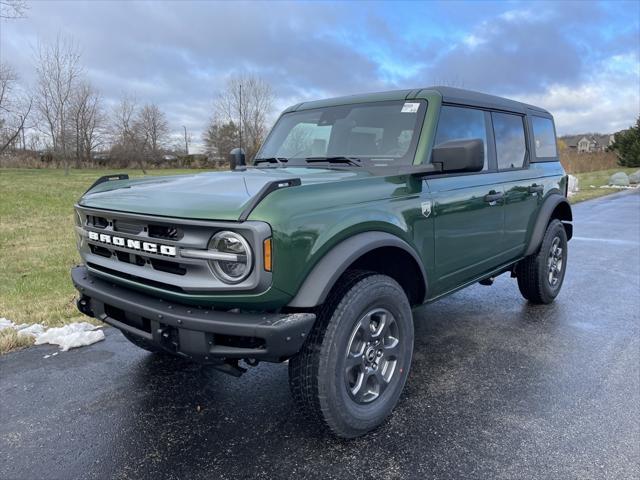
column 355, row 211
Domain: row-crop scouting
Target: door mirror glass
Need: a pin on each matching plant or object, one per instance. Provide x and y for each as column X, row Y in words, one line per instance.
column 460, row 155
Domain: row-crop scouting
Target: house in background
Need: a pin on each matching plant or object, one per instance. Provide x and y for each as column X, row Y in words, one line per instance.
column 588, row 143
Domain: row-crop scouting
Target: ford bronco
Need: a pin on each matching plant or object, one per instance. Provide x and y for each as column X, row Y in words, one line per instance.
column 355, row 211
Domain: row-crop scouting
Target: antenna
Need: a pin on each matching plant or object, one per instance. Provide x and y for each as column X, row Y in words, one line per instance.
column 240, row 126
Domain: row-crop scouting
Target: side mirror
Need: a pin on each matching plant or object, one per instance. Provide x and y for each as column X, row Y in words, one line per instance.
column 236, row 158
column 460, row 155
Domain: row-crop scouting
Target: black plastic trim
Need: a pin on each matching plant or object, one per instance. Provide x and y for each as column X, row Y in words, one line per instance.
column 107, row 178
column 266, row 190
column 282, row 334
column 333, row 264
column 544, row 215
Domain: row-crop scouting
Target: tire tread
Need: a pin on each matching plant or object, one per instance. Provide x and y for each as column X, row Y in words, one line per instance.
column 531, row 270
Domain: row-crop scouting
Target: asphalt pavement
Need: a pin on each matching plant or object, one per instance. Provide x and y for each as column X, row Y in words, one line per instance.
column 499, row 389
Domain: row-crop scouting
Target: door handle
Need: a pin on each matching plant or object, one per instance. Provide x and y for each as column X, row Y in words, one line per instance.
column 494, row 198
column 536, row 188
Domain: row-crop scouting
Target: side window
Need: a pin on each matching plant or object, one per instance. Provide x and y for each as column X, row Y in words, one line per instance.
column 459, row 123
column 544, row 137
column 511, row 149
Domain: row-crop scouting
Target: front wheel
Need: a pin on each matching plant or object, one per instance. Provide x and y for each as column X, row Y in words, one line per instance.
column 351, row 371
column 540, row 276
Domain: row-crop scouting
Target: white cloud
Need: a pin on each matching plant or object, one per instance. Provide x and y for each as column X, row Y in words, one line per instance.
column 606, row 103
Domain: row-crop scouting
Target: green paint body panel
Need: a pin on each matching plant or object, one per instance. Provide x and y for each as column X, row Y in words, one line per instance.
column 462, row 239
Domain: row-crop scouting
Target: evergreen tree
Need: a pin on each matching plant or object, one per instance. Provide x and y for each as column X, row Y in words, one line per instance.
column 626, row 144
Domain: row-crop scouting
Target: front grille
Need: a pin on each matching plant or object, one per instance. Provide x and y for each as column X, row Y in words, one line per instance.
column 135, row 278
column 98, row 222
column 130, row 258
column 127, row 227
column 169, row 267
column 174, row 268
column 98, row 250
column 166, row 232
column 147, row 249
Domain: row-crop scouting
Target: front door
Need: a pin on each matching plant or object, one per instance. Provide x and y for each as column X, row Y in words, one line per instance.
column 467, row 209
column 468, row 227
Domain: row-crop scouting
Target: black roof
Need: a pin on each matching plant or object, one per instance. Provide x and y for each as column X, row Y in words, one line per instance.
column 449, row 94
column 469, row 97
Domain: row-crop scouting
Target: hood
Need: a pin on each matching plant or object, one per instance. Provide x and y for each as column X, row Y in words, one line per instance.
column 205, row 196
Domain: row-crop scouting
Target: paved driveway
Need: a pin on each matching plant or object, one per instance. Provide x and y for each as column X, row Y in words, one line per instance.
column 498, row 389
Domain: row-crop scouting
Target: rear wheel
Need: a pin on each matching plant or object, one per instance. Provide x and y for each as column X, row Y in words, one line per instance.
column 540, row 276
column 351, row 371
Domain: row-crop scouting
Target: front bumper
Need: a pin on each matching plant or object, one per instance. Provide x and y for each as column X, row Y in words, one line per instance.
column 204, row 335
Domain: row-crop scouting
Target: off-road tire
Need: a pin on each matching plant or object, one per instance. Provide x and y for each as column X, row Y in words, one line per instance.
column 317, row 372
column 533, row 271
column 141, row 343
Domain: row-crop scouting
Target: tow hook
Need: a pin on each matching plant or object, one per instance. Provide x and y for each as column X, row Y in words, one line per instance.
column 84, row 305
column 169, row 338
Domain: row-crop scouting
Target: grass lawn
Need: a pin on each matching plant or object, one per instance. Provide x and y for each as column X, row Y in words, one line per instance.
column 37, row 245
column 590, row 183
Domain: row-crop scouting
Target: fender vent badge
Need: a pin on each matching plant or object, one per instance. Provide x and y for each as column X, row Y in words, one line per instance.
column 426, row 208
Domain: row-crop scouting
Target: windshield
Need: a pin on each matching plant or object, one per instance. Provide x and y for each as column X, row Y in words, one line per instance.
column 380, row 133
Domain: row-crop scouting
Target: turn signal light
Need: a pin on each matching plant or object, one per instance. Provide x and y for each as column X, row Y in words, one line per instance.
column 267, row 255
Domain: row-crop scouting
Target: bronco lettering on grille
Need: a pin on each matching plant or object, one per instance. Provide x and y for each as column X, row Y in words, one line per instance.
column 133, row 244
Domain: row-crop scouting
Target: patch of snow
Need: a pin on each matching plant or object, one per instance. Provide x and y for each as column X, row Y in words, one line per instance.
column 33, row 330
column 71, row 336
column 573, row 186
column 620, row 187
column 74, row 335
column 4, row 323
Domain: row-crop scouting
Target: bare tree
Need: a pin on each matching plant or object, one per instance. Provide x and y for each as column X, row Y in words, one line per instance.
column 246, row 101
column 153, row 129
column 58, row 69
column 13, row 8
column 15, row 108
column 88, row 119
column 125, row 144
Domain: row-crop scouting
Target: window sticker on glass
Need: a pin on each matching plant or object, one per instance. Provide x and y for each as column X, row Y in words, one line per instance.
column 410, row 107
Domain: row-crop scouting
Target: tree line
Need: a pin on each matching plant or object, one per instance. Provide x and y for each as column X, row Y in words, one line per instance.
column 66, row 121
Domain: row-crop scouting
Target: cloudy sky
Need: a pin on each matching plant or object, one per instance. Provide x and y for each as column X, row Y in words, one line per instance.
column 580, row 60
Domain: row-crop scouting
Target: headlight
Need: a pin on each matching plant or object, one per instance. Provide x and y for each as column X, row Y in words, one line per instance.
column 239, row 259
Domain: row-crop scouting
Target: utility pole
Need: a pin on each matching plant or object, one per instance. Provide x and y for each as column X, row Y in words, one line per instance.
column 240, row 122
column 186, row 142
column 24, row 143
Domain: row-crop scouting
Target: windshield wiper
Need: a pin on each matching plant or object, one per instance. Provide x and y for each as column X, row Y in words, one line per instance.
column 355, row 161
column 280, row 160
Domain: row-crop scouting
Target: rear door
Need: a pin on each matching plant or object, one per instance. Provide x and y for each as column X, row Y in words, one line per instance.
column 522, row 188
column 467, row 208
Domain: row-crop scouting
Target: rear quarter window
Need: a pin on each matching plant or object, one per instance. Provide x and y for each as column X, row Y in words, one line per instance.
column 544, row 137
column 511, row 148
